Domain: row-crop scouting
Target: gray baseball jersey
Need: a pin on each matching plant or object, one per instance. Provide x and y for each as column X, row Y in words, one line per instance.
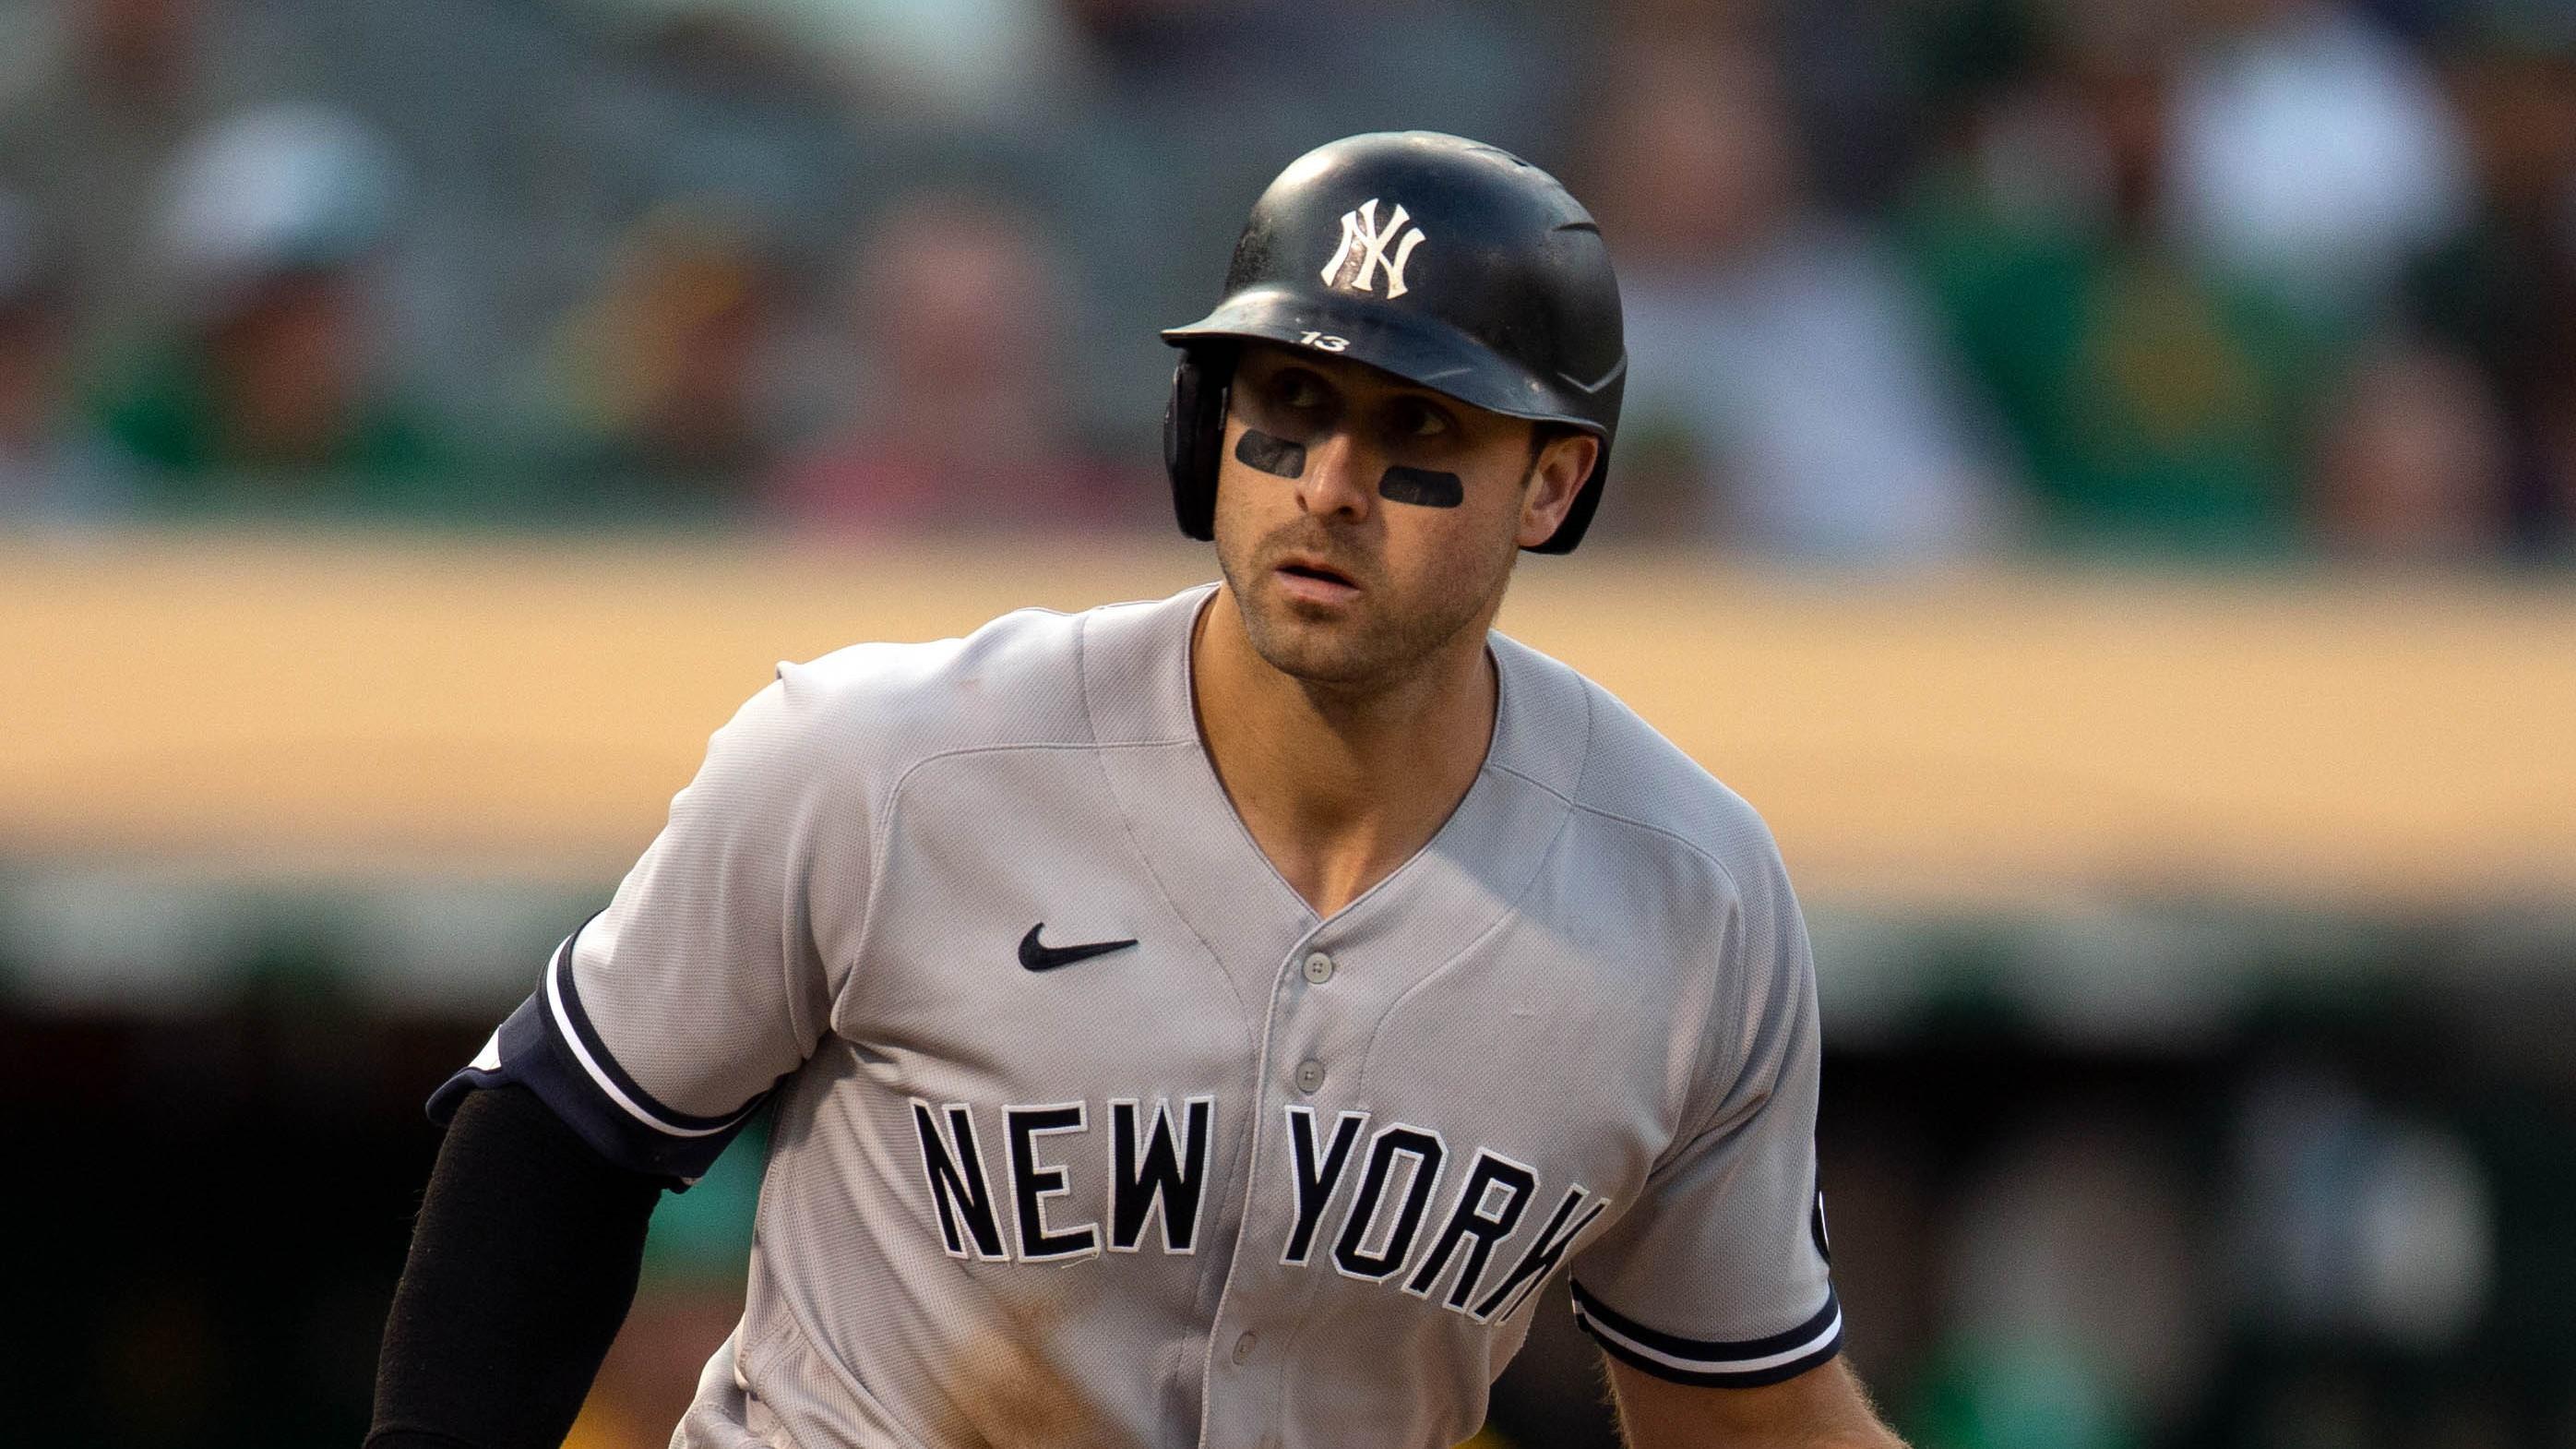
column 1090, row 1132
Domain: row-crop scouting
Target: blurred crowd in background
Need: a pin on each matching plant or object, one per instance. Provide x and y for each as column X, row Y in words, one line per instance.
column 1905, row 279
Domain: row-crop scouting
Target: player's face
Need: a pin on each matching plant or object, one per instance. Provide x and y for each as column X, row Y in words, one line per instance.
column 1363, row 522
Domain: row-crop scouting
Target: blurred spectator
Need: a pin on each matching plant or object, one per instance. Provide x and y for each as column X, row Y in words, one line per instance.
column 959, row 59
column 270, row 396
column 963, row 423
column 664, row 375
column 2505, row 293
column 45, row 475
column 1787, row 390
column 2412, row 468
column 2311, row 153
column 2353, row 1221
column 2159, row 404
column 2075, row 1302
column 96, row 97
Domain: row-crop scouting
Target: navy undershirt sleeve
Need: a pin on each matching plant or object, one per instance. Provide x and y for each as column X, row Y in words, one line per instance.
column 523, row 1264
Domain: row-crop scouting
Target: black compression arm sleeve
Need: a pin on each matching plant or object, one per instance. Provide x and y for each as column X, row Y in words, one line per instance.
column 522, row 1266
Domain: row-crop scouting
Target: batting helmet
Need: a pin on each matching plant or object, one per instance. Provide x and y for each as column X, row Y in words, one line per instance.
column 1450, row 264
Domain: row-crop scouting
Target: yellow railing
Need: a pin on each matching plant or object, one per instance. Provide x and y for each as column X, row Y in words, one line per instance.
column 364, row 703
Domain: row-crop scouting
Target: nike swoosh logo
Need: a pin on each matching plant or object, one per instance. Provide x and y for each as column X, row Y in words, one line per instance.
column 1039, row 956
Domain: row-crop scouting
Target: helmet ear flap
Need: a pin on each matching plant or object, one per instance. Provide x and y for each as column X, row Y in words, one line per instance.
column 1193, row 433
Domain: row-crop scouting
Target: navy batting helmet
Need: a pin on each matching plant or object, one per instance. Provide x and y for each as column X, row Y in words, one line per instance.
column 1448, row 263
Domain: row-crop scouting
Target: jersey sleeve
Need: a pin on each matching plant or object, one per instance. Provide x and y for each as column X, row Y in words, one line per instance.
column 659, row 1026
column 1718, row 1275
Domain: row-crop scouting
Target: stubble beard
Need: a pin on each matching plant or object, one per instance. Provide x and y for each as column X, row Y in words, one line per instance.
column 1373, row 648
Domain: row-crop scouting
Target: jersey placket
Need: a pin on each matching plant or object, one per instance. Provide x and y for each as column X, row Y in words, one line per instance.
column 1261, row 1315
column 1253, row 925
column 1332, row 994
column 1316, row 1019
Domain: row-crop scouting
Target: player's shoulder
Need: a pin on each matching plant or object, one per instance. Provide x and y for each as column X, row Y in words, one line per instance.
column 1020, row 647
column 1629, row 781
column 1018, row 680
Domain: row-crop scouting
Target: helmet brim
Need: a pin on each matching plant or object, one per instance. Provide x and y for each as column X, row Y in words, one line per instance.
column 1420, row 349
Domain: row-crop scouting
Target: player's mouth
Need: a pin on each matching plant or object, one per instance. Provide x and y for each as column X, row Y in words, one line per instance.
column 1313, row 581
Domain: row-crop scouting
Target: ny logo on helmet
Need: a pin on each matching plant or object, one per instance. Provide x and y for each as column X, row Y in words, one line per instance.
column 1363, row 250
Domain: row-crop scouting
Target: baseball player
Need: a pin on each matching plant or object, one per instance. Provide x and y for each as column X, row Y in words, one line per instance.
column 1205, row 1022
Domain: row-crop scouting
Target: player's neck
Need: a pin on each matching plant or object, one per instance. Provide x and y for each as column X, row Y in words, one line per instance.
column 1340, row 787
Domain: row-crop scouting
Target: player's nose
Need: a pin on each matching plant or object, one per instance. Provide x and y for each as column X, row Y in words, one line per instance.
column 1338, row 481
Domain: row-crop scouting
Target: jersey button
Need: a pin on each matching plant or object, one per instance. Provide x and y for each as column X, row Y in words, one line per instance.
column 1319, row 968
column 1310, row 1075
column 1243, row 1348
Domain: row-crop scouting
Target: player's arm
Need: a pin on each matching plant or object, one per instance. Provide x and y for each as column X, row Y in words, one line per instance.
column 1823, row 1408
column 1713, row 1296
column 523, row 1264
column 654, row 1031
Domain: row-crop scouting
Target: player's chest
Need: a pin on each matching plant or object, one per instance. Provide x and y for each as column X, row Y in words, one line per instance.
column 1135, row 1022
column 1095, row 923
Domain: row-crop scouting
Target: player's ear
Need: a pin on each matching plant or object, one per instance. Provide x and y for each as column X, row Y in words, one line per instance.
column 1557, row 476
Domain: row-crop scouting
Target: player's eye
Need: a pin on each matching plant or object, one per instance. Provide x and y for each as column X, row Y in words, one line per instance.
column 1415, row 418
column 1296, row 388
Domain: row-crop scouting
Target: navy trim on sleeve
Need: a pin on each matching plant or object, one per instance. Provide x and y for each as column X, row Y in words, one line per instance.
column 1744, row 1364
column 549, row 1046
